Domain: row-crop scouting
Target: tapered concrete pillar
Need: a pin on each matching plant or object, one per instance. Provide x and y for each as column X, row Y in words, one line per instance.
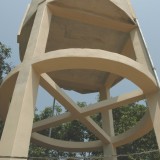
column 139, row 47
column 154, row 110
column 86, row 46
column 18, row 126
column 108, row 127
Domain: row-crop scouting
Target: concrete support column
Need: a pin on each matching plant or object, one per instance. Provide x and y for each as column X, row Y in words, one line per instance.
column 18, row 126
column 39, row 34
column 154, row 109
column 140, row 49
column 107, row 125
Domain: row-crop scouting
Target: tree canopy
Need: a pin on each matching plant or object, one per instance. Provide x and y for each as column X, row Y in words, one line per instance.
column 5, row 67
column 124, row 118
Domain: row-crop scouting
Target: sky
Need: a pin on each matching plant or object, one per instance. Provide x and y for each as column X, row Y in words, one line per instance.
column 147, row 12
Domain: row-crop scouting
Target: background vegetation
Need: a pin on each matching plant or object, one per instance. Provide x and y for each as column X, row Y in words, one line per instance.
column 124, row 118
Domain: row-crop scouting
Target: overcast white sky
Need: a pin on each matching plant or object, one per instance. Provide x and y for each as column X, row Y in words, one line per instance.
column 147, row 11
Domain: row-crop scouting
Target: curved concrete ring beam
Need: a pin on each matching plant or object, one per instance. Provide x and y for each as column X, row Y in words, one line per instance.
column 98, row 60
column 6, row 91
column 65, row 145
column 124, row 138
column 139, row 130
column 103, row 61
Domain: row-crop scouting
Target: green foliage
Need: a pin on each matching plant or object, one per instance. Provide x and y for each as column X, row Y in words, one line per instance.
column 37, row 151
column 70, row 131
column 124, row 118
column 5, row 67
column 146, row 143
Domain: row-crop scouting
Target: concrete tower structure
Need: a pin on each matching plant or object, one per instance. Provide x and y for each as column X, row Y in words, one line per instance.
column 86, row 46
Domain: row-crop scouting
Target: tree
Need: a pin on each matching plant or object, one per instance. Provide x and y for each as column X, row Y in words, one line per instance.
column 70, row 131
column 5, row 67
column 124, row 118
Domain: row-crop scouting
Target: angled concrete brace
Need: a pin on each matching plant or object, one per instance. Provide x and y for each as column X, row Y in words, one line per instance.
column 23, row 82
column 109, row 104
column 18, row 126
